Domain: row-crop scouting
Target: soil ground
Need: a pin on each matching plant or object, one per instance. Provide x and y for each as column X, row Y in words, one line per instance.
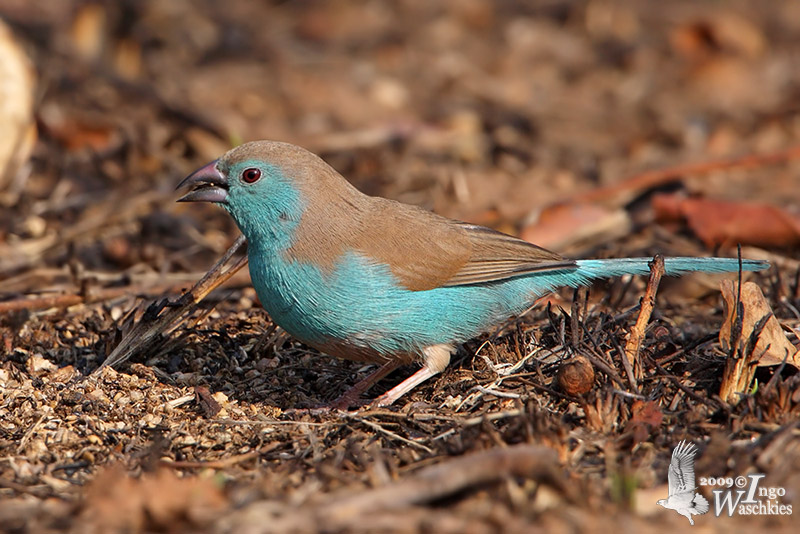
column 497, row 113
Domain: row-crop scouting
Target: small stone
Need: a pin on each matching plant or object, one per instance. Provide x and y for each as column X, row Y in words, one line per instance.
column 576, row 376
column 118, row 250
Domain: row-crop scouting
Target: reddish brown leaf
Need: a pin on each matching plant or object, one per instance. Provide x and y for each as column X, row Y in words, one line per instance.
column 726, row 223
column 645, row 416
column 563, row 225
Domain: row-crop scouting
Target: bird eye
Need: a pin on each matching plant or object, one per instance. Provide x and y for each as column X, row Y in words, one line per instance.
column 251, row 175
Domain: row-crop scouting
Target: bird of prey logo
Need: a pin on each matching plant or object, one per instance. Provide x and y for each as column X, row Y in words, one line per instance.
column 682, row 497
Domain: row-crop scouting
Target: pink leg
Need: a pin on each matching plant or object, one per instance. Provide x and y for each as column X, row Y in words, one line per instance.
column 436, row 359
column 404, row 387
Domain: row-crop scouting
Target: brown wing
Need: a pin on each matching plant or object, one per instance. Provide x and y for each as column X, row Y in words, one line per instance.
column 498, row 256
column 425, row 250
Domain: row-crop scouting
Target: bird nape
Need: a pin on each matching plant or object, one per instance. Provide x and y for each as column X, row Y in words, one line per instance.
column 374, row 280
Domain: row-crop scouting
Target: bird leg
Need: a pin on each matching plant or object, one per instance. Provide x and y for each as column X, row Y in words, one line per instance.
column 436, row 359
column 351, row 396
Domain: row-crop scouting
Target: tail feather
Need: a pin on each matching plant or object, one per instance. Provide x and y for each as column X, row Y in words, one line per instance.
column 700, row 503
column 594, row 269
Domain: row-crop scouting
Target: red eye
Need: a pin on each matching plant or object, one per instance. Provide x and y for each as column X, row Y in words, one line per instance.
column 251, row 175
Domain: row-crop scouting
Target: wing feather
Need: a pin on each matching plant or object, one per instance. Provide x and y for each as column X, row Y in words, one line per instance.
column 681, row 469
column 498, row 256
column 423, row 250
column 448, row 253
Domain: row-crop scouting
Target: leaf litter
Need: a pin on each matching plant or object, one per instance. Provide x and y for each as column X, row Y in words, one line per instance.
column 198, row 431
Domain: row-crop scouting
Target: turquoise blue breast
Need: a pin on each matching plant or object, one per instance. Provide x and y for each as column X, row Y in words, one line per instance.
column 361, row 303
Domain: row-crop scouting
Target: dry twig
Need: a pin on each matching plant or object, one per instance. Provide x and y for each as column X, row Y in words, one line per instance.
column 634, row 344
column 156, row 320
column 447, row 478
column 65, row 301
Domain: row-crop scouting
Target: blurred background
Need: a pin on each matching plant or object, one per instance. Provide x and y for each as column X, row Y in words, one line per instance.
column 592, row 127
column 490, row 112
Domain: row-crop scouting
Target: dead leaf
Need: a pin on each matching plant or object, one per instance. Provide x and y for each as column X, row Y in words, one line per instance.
column 159, row 502
column 645, row 416
column 725, row 32
column 773, row 345
column 88, row 31
column 564, row 225
column 725, row 223
column 18, row 134
column 77, row 134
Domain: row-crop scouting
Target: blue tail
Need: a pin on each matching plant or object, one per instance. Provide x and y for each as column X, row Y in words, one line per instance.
column 585, row 271
column 594, row 269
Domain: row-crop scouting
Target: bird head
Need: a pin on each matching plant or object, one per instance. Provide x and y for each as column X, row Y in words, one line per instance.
column 266, row 186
